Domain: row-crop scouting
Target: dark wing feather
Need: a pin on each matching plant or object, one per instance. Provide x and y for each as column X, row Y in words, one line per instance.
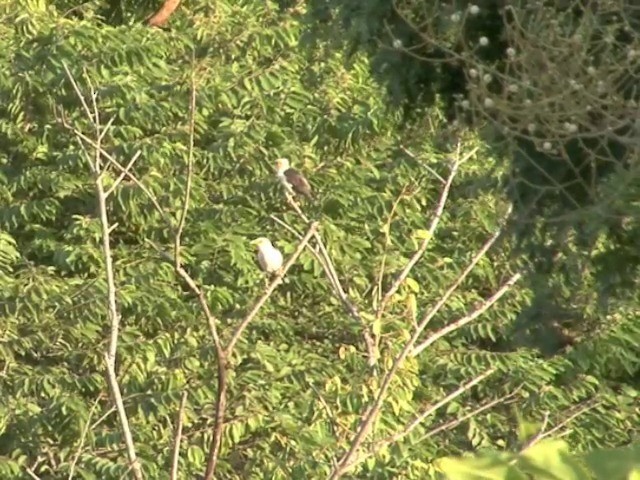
column 297, row 182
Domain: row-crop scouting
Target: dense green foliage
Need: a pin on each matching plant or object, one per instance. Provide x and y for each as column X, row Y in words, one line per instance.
column 270, row 82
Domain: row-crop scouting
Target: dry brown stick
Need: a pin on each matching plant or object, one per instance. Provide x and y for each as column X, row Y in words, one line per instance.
column 161, row 17
column 373, row 410
column 177, row 438
column 112, row 309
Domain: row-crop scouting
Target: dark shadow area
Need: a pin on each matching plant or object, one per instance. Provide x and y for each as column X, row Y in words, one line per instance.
column 565, row 207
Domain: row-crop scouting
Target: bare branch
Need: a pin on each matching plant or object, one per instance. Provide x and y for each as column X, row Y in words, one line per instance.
column 122, row 415
column 431, row 231
column 221, row 402
column 373, row 410
column 123, row 174
column 32, row 473
column 542, row 434
column 112, row 309
column 387, row 241
column 122, row 169
column 426, row 167
column 270, row 289
column 454, row 423
column 175, row 458
column 325, row 260
column 187, row 194
column 427, row 412
column 468, row 318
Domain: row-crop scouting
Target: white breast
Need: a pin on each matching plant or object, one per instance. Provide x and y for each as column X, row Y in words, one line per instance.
column 270, row 259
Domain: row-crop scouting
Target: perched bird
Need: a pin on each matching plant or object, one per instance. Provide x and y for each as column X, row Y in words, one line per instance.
column 292, row 180
column 269, row 257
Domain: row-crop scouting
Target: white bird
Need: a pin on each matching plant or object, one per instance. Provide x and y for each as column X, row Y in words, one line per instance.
column 269, row 257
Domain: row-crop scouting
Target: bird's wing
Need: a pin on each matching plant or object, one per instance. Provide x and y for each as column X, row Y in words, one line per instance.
column 262, row 261
column 297, row 181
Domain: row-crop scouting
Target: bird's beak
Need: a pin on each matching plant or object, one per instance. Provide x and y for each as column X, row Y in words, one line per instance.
column 254, row 242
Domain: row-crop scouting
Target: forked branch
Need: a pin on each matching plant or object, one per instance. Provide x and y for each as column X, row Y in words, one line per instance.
column 96, row 166
column 374, row 409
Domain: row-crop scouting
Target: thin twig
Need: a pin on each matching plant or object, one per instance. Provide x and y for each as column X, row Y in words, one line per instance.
column 122, row 169
column 177, row 438
column 427, row 167
column 455, row 422
column 445, row 400
column 122, row 414
column 387, row 241
column 187, row 195
column 468, row 318
column 83, row 436
column 272, row 286
column 32, row 474
column 123, row 174
column 542, row 434
column 330, row 270
column 322, row 255
column 425, row 242
column 331, row 416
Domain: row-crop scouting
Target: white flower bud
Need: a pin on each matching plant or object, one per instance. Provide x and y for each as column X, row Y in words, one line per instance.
column 570, row 127
column 488, row 103
column 484, row 41
column 474, row 9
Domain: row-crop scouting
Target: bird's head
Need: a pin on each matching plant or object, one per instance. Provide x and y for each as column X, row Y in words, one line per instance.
column 261, row 242
column 282, row 164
